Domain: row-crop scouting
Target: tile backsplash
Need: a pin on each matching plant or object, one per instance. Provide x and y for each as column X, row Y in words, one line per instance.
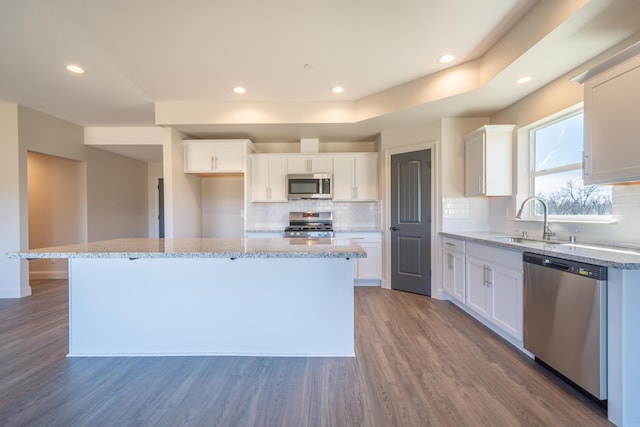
column 497, row 214
column 345, row 214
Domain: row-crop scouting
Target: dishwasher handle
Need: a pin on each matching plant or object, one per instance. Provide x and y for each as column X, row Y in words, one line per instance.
column 556, row 265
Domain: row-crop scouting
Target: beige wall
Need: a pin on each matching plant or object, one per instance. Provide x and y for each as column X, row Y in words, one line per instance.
column 57, row 208
column 116, row 196
column 13, row 273
column 182, row 200
column 116, row 185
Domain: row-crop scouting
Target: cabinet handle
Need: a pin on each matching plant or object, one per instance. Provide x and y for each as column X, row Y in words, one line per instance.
column 213, row 166
column 484, row 275
column 488, row 275
column 453, row 245
column 586, row 165
column 450, row 261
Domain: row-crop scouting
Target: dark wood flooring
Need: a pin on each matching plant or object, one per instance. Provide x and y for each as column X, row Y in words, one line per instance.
column 420, row 362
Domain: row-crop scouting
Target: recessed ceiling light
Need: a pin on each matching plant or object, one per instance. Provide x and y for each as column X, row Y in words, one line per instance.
column 239, row 89
column 444, row 59
column 337, row 89
column 76, row 69
column 525, row 79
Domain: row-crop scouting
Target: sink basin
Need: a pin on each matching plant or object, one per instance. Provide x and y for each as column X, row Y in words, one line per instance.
column 514, row 239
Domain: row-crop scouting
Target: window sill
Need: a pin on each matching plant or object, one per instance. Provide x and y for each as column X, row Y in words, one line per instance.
column 556, row 220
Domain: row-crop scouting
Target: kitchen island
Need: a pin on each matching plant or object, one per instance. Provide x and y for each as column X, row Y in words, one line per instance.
column 255, row 296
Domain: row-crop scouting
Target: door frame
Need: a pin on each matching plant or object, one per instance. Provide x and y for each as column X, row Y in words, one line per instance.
column 436, row 282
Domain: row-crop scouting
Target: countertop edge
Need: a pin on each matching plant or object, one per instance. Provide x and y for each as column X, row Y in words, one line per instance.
column 139, row 248
column 591, row 256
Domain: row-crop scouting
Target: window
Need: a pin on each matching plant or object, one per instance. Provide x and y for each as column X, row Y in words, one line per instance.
column 556, row 174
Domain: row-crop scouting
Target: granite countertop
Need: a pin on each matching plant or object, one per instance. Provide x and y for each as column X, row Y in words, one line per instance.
column 202, row 248
column 336, row 229
column 609, row 256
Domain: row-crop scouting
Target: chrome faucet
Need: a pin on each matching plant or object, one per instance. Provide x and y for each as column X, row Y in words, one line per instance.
column 546, row 232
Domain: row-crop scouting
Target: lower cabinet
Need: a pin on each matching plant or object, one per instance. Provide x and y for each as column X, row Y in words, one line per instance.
column 367, row 271
column 493, row 287
column 454, row 268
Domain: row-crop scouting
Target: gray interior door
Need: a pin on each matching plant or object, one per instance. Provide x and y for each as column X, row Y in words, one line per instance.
column 411, row 222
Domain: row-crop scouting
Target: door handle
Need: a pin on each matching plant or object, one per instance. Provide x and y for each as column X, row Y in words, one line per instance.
column 394, row 228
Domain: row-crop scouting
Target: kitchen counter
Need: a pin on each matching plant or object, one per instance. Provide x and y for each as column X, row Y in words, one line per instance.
column 623, row 316
column 615, row 257
column 201, row 248
column 245, row 297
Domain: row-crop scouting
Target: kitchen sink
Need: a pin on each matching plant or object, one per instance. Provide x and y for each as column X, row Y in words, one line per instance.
column 515, row 239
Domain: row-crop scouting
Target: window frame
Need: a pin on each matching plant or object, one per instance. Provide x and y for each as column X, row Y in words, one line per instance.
column 526, row 178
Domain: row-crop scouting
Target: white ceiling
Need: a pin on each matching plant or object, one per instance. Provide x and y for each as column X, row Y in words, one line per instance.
column 140, row 52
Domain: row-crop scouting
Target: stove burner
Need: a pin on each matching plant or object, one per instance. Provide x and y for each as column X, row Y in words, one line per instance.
column 309, row 225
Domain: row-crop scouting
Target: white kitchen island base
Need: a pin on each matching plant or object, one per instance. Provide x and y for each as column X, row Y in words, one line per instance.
column 211, row 306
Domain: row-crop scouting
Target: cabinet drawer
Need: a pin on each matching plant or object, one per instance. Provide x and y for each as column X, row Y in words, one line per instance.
column 362, row 237
column 452, row 244
column 496, row 256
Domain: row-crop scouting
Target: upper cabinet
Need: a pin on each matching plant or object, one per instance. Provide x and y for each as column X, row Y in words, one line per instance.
column 488, row 161
column 216, row 156
column 310, row 164
column 355, row 177
column 611, row 125
column 268, row 178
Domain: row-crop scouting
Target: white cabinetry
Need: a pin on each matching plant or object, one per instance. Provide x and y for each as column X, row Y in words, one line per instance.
column 309, row 164
column 268, row 178
column 367, row 270
column 215, row 156
column 494, row 286
column 488, row 161
column 611, row 125
column 454, row 268
column 355, row 177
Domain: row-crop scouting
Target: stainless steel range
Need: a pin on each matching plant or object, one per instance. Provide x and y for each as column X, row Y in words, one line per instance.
column 310, row 225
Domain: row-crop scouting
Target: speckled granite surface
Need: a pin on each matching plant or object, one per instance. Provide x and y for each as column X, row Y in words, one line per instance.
column 615, row 257
column 202, row 248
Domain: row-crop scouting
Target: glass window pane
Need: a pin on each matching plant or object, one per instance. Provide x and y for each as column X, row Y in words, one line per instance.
column 559, row 144
column 565, row 194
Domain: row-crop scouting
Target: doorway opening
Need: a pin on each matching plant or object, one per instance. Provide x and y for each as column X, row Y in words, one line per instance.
column 57, row 206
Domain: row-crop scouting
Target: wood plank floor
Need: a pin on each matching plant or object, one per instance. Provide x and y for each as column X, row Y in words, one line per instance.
column 420, row 362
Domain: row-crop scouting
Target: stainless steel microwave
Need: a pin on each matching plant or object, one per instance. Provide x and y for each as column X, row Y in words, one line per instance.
column 309, row 186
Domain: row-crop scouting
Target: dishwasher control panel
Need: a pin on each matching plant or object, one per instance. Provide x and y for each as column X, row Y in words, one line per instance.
column 590, row 271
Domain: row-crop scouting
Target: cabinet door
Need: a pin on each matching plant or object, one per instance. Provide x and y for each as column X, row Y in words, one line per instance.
column 488, row 161
column 478, row 293
column 454, row 275
column 229, row 157
column 474, row 165
column 370, row 267
column 214, row 157
column 268, row 179
column 343, row 185
column 611, row 149
column 506, row 307
column 355, row 178
column 366, row 178
column 199, row 157
column 309, row 164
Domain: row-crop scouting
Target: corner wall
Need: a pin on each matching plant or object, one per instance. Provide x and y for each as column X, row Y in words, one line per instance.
column 116, row 187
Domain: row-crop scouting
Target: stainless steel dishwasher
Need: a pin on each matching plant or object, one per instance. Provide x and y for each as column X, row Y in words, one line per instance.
column 565, row 319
